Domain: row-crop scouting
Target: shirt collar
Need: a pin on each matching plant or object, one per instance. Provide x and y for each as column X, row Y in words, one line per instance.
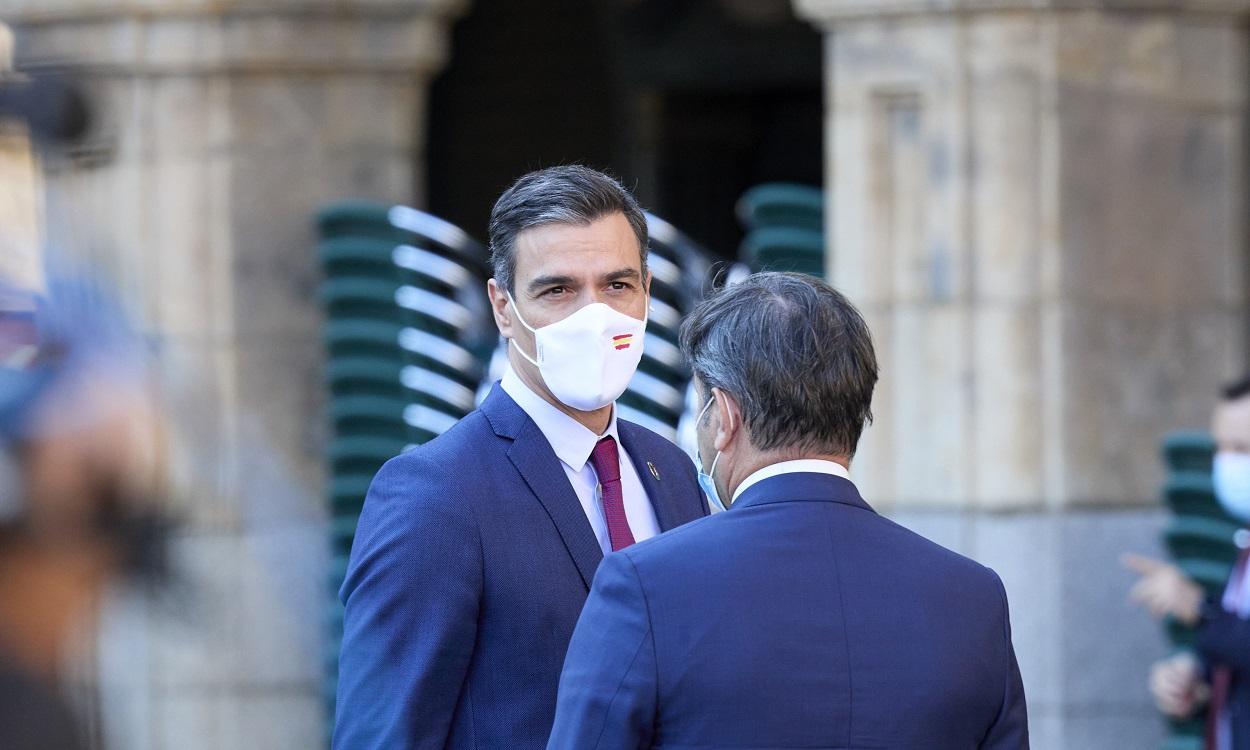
column 807, row 465
column 569, row 439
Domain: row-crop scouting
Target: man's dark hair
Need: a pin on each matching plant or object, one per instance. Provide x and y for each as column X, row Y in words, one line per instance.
column 795, row 354
column 1237, row 390
column 557, row 195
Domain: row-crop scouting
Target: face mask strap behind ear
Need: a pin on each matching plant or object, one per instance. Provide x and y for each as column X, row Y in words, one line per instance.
column 708, row 405
column 517, row 310
column 711, row 400
column 710, row 487
column 512, row 341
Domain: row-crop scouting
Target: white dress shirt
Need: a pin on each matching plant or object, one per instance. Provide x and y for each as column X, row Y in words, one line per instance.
column 807, row 465
column 573, row 444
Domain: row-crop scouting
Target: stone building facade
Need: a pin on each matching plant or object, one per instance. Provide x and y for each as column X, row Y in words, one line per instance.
column 1039, row 206
column 1041, row 209
column 223, row 126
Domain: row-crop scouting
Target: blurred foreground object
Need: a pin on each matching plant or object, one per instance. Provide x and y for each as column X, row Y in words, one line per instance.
column 21, row 275
column 46, row 109
column 82, row 471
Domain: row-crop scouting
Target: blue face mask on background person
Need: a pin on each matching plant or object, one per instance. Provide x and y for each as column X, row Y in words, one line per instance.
column 1231, row 476
column 705, row 480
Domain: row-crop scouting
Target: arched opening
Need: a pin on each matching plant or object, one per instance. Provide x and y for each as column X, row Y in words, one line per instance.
column 689, row 103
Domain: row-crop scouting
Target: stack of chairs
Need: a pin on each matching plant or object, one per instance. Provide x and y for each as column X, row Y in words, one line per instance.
column 1200, row 539
column 406, row 323
column 785, row 228
column 680, row 272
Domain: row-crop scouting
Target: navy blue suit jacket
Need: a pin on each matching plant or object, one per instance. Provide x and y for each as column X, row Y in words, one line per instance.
column 800, row 619
column 1223, row 639
column 472, row 561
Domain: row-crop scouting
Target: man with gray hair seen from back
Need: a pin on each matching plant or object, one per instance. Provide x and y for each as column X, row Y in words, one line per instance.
column 801, row 618
column 475, row 551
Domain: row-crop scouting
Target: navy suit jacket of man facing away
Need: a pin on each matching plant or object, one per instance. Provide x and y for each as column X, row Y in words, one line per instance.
column 800, row 617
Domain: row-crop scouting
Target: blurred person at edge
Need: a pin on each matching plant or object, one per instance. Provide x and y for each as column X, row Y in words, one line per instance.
column 475, row 551
column 800, row 617
column 1218, row 678
column 81, row 471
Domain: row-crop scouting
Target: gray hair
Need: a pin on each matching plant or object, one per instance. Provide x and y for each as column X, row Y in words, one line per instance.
column 794, row 353
column 557, row 195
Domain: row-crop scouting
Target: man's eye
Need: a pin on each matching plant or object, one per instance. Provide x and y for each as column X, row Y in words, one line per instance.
column 619, row 286
column 555, row 291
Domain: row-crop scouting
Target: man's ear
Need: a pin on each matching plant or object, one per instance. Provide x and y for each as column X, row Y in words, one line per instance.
column 730, row 418
column 499, row 308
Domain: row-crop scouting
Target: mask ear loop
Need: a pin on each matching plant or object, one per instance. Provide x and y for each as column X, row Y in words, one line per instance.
column 711, row 473
column 697, row 421
column 513, row 342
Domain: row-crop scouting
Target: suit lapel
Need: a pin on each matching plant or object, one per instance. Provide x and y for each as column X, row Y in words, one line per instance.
column 532, row 456
column 667, row 514
column 537, row 463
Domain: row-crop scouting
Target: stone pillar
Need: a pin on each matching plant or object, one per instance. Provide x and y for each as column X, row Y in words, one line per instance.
column 1040, row 210
column 224, row 124
column 21, row 272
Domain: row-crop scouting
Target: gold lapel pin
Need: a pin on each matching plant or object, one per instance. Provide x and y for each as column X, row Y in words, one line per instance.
column 654, row 471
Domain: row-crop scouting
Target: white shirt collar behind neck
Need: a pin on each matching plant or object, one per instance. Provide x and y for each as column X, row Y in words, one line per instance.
column 570, row 440
column 806, row 465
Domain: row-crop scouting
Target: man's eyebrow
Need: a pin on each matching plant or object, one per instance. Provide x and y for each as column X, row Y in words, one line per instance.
column 623, row 274
column 546, row 281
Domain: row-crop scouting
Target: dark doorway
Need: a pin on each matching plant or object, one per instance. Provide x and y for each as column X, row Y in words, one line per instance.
column 527, row 87
column 714, row 146
column 689, row 102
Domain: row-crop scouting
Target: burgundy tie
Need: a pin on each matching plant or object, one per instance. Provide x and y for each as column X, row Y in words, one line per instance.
column 607, row 463
column 1221, row 680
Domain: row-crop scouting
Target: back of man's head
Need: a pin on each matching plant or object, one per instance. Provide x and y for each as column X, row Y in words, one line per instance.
column 794, row 354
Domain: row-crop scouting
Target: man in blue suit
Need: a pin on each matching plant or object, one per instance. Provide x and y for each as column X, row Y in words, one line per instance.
column 800, row 617
column 475, row 552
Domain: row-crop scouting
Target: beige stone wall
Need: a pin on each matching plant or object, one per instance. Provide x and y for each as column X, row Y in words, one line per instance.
column 21, row 260
column 21, row 267
column 1041, row 211
column 223, row 127
column 1041, row 214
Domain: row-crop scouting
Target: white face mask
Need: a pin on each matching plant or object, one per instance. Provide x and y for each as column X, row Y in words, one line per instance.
column 1232, row 483
column 587, row 359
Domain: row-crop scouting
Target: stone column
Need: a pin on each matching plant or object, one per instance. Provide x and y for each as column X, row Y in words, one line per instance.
column 1040, row 209
column 21, row 273
column 224, row 124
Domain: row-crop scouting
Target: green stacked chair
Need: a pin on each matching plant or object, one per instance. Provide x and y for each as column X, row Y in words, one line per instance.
column 785, row 228
column 406, row 323
column 1200, row 539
